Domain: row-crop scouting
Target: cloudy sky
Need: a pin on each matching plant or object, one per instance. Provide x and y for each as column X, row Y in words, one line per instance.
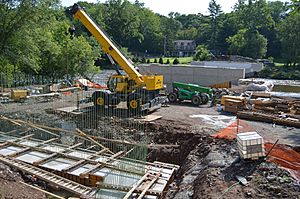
column 182, row 6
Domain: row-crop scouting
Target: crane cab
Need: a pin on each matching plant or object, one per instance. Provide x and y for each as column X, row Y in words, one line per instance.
column 122, row 83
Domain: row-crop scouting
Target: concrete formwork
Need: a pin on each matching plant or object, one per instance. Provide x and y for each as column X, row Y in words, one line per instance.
column 194, row 74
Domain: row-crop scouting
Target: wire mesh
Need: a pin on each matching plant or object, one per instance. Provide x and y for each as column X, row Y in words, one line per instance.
column 69, row 105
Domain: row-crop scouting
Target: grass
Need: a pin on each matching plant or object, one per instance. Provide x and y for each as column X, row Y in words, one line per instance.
column 278, row 64
column 182, row 60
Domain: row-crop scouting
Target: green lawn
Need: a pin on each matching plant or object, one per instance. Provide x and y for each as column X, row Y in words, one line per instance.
column 182, row 60
column 279, row 64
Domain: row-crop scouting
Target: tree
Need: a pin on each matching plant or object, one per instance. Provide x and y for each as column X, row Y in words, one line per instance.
column 155, row 60
column 215, row 11
column 201, row 53
column 176, row 61
column 123, row 22
column 289, row 36
column 161, row 61
column 254, row 15
column 17, row 47
column 248, row 43
column 295, row 5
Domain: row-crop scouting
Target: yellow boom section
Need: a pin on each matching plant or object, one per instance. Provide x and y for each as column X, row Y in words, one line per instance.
column 107, row 45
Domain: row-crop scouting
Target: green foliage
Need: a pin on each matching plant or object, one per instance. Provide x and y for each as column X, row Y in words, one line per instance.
column 248, row 43
column 33, row 40
column 148, row 61
column 295, row 6
column 289, row 36
column 125, row 51
column 143, row 60
column 201, row 53
column 155, row 60
column 161, row 61
column 168, row 61
column 176, row 61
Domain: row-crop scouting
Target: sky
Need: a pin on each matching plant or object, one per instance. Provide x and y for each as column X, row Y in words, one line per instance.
column 164, row 7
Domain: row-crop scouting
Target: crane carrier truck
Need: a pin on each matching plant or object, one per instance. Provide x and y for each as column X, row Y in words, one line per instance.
column 139, row 92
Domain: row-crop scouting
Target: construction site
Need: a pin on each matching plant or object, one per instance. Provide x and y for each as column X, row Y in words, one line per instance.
column 150, row 131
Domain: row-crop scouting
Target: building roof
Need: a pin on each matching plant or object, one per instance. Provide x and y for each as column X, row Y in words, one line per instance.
column 184, row 41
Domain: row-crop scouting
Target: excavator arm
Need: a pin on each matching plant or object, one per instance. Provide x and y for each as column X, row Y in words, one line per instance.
column 107, row 45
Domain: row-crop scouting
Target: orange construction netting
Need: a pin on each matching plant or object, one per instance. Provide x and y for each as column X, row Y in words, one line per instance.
column 230, row 131
column 286, row 157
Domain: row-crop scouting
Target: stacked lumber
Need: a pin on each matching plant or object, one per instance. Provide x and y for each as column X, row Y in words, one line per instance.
column 295, row 107
column 233, row 106
column 277, row 105
column 269, row 118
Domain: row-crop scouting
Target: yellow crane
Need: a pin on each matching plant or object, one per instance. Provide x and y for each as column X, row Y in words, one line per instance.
column 141, row 92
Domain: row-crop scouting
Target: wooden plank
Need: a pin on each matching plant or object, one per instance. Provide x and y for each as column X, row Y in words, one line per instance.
column 19, row 152
column 49, row 141
column 125, row 188
column 91, row 147
column 135, row 186
column 91, row 170
column 94, row 141
column 9, row 132
column 141, row 196
column 10, row 120
column 73, row 166
column 52, row 156
column 74, row 146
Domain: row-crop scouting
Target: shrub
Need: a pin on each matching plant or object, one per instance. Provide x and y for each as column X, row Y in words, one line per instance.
column 143, row 60
column 168, row 61
column 161, row 61
column 155, row 60
column 148, row 61
column 176, row 61
column 201, row 53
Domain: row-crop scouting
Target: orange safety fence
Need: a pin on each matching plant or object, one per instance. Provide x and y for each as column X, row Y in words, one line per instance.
column 230, row 131
column 286, row 157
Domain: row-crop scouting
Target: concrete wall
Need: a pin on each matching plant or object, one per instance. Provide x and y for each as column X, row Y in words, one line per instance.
column 249, row 67
column 194, row 74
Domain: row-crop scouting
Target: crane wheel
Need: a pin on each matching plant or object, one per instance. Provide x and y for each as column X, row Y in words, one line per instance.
column 134, row 104
column 172, row 97
column 196, row 100
column 100, row 101
column 204, row 98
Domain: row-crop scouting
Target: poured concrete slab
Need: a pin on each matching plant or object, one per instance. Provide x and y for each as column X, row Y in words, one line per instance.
column 10, row 150
column 32, row 156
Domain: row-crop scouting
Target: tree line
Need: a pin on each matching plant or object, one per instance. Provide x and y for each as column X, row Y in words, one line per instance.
column 34, row 35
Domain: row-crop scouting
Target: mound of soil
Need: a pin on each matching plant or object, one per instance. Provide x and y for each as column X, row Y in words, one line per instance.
column 11, row 188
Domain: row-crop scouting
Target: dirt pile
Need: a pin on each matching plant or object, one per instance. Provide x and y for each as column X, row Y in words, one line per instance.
column 11, row 188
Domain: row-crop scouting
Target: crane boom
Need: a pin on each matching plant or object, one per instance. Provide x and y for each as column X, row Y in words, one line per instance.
column 107, row 45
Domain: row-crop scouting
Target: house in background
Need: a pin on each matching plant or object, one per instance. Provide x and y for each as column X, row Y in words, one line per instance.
column 184, row 48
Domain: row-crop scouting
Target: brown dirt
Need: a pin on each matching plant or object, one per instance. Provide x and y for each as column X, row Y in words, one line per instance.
column 199, row 177
column 11, row 188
